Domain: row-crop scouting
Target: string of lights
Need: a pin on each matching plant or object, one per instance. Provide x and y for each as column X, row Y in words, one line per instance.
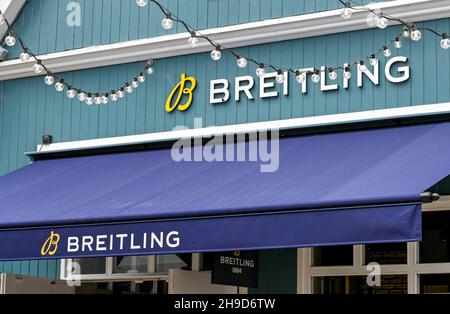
column 375, row 18
column 60, row 84
column 379, row 19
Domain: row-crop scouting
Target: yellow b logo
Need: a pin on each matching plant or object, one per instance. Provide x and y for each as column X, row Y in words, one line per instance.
column 51, row 245
column 181, row 89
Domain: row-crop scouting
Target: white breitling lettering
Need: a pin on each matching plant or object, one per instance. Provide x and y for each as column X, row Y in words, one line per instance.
column 123, row 242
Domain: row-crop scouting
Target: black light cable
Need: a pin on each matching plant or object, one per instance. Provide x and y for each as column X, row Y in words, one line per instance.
column 409, row 30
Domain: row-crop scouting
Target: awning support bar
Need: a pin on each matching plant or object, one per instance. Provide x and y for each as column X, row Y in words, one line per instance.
column 429, row 197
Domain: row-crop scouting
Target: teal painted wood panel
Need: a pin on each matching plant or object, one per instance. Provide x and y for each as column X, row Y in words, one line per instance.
column 29, row 109
column 42, row 23
column 40, row 269
column 277, row 272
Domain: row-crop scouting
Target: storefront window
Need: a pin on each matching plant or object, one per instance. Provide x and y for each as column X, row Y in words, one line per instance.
column 435, row 283
column 430, row 266
column 166, row 262
column 395, row 284
column 435, row 247
column 131, row 265
column 92, row 266
column 386, row 254
column 333, row 256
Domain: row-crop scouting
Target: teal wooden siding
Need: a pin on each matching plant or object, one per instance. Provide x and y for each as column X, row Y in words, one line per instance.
column 110, row 21
column 28, row 109
column 41, row 269
column 277, row 272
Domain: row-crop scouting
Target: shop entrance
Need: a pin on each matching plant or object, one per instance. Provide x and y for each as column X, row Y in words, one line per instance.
column 155, row 274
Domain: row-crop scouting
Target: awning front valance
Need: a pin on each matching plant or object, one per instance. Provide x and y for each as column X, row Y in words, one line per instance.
column 330, row 189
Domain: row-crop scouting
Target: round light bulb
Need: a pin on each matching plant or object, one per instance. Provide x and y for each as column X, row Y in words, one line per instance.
column 416, row 35
column 105, row 99
column 141, row 78
column 82, row 96
column 10, row 40
column 315, row 77
column 97, row 100
column 49, row 80
column 25, row 56
column 280, row 78
column 373, row 61
column 387, row 52
column 135, row 83
column 372, row 19
column 150, row 70
column 71, row 93
column 382, row 22
column 59, row 87
column 346, row 12
column 332, row 75
column 142, row 3
column 113, row 97
column 216, row 54
column 242, row 62
column 38, row 68
column 406, row 32
column 260, row 72
column 120, row 93
column 445, row 42
column 167, row 23
column 89, row 101
column 301, row 78
column 397, row 43
column 193, row 41
column 129, row 89
column 347, row 74
column 363, row 68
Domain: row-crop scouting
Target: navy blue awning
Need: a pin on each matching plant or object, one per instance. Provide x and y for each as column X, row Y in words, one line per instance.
column 330, row 189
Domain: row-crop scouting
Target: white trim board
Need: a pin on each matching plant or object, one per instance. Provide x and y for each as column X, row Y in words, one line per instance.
column 328, row 120
column 273, row 30
column 11, row 9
